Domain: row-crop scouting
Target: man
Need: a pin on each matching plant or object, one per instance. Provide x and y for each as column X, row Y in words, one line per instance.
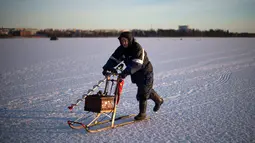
column 140, row 69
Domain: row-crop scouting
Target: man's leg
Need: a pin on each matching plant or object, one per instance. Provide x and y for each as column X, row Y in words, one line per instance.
column 157, row 99
column 142, row 110
column 142, row 96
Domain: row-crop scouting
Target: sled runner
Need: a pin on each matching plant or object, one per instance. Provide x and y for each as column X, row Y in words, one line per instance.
column 102, row 105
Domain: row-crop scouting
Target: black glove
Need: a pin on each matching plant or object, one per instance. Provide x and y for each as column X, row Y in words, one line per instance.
column 107, row 72
column 123, row 75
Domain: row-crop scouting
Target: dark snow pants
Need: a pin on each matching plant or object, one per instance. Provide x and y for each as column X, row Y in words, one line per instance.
column 145, row 87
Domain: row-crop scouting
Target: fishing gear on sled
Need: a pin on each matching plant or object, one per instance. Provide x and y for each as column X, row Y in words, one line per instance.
column 98, row 106
column 113, row 72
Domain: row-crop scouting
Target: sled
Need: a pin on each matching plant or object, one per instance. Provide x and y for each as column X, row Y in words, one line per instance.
column 102, row 105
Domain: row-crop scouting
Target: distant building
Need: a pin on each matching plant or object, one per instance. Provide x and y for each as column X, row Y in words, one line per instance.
column 4, row 31
column 28, row 32
column 25, row 33
column 184, row 28
column 77, row 33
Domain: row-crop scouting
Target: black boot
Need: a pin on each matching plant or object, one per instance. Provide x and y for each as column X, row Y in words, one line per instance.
column 142, row 109
column 157, row 99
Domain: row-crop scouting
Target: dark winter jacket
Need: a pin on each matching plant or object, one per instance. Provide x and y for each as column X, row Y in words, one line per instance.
column 135, row 59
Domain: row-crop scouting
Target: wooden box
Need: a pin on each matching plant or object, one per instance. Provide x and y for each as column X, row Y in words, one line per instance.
column 99, row 104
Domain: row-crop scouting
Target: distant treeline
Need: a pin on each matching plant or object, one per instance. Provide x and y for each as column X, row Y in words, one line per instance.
column 151, row 33
column 136, row 32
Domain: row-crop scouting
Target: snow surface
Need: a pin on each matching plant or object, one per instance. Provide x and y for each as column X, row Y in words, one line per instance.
column 208, row 85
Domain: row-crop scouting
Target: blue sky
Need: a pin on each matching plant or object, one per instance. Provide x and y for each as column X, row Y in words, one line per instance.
column 233, row 15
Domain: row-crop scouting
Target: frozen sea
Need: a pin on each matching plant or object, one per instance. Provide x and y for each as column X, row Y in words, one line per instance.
column 208, row 85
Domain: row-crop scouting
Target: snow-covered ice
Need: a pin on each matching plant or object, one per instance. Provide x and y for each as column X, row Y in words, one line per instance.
column 208, row 85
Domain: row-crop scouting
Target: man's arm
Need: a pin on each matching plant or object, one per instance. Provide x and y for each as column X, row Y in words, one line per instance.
column 115, row 59
column 136, row 63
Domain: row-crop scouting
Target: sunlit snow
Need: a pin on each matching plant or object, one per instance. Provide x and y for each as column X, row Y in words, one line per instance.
column 208, row 85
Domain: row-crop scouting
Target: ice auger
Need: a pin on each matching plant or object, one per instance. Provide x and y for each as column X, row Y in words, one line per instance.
column 101, row 105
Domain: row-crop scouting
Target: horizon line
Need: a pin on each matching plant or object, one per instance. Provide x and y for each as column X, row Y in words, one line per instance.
column 121, row 29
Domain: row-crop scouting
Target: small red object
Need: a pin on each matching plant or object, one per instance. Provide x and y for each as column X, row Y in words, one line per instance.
column 70, row 107
column 120, row 87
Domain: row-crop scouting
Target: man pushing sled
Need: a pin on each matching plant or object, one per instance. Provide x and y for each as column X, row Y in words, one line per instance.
column 139, row 67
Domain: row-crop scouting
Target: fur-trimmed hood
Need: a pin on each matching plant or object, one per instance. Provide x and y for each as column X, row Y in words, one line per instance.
column 128, row 35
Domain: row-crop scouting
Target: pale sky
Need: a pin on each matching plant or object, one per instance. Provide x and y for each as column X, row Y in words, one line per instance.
column 233, row 15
